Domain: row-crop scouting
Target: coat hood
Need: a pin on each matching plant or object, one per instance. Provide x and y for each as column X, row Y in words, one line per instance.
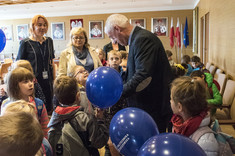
column 63, row 113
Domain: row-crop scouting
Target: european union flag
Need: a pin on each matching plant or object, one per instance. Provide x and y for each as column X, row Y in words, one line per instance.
column 186, row 39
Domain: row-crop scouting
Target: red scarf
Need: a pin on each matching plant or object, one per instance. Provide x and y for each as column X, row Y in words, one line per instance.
column 104, row 63
column 189, row 126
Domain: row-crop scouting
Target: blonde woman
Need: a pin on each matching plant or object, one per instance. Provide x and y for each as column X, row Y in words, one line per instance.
column 78, row 52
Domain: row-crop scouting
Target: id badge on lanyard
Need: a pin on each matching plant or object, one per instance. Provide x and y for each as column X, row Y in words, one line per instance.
column 45, row 74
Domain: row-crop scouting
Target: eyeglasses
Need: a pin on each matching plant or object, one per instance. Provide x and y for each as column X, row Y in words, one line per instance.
column 84, row 71
column 78, row 38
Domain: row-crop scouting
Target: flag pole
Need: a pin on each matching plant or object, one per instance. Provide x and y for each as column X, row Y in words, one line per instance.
column 181, row 30
column 176, row 53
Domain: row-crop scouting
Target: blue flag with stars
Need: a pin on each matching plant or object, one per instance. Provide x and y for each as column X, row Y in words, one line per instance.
column 186, row 39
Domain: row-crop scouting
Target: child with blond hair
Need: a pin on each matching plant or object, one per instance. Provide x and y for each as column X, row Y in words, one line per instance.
column 23, row 106
column 189, row 105
column 115, row 59
column 20, row 134
column 102, row 56
column 81, row 75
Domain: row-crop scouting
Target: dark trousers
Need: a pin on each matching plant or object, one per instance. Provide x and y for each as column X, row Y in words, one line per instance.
column 46, row 86
column 163, row 122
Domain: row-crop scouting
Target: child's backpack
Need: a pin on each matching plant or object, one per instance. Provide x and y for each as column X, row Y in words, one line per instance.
column 65, row 141
column 225, row 141
column 39, row 106
column 38, row 102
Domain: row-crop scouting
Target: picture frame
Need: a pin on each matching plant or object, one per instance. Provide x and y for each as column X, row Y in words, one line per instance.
column 76, row 23
column 138, row 22
column 22, row 31
column 159, row 26
column 96, row 30
column 7, row 29
column 57, row 31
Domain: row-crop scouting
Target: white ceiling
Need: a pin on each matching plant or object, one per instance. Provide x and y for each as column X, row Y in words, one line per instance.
column 87, row 7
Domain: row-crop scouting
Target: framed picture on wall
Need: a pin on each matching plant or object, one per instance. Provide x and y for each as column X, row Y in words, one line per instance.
column 7, row 29
column 140, row 22
column 57, row 31
column 22, row 31
column 159, row 26
column 76, row 23
column 96, row 30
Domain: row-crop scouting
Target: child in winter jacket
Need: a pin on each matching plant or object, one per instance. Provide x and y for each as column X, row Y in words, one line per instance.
column 70, row 116
column 213, row 95
column 189, row 105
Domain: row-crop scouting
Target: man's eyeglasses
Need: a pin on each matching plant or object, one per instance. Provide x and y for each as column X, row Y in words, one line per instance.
column 84, row 71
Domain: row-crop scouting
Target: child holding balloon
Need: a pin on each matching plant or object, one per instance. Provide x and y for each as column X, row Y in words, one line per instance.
column 189, row 105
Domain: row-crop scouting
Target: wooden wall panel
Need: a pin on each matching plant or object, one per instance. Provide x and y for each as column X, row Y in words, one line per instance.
column 221, row 35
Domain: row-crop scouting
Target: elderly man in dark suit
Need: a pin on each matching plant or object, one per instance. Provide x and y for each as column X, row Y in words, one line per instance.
column 148, row 75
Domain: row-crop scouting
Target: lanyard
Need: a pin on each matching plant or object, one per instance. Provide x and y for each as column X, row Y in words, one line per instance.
column 43, row 53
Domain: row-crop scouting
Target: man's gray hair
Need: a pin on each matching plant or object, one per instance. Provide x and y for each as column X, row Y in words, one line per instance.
column 115, row 19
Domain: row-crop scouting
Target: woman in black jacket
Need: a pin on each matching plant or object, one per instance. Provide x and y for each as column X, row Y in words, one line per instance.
column 39, row 51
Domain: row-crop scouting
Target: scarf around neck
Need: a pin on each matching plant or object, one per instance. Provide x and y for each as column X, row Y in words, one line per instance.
column 189, row 126
column 80, row 55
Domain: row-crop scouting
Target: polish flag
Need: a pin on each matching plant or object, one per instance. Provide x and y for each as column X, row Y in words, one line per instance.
column 177, row 34
column 172, row 34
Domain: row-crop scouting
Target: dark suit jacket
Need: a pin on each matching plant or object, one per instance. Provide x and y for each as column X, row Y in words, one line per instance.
column 148, row 74
column 108, row 47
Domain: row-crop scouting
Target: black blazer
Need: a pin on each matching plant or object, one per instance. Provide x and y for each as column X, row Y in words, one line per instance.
column 148, row 74
column 108, row 47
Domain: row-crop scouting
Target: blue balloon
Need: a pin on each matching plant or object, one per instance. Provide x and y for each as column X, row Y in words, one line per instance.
column 130, row 128
column 2, row 40
column 104, row 87
column 170, row 144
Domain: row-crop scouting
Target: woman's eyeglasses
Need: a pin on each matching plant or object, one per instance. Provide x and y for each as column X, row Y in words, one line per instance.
column 84, row 71
column 78, row 38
